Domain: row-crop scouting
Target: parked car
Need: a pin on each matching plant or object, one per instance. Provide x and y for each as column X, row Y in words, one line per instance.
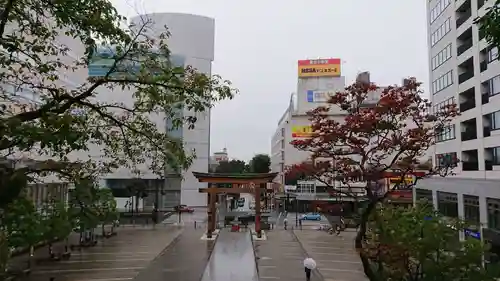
column 183, row 209
column 311, row 217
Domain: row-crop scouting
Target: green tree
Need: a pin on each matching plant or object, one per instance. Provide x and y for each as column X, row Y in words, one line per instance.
column 23, row 224
column 418, row 244
column 260, row 163
column 489, row 23
column 232, row 167
column 106, row 206
column 4, row 252
column 64, row 120
column 57, row 221
column 83, row 207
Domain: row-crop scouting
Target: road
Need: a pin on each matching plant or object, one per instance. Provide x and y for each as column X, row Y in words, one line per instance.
column 306, row 224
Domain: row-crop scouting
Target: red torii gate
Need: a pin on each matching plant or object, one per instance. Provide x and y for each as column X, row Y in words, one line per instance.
column 241, row 183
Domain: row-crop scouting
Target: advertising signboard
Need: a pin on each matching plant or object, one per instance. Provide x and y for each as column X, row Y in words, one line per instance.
column 319, row 68
column 319, row 96
column 302, row 132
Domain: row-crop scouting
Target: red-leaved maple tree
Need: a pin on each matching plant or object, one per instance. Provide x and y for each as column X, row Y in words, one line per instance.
column 370, row 140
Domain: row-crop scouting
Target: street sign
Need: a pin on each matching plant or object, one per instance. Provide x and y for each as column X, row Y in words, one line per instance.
column 473, row 234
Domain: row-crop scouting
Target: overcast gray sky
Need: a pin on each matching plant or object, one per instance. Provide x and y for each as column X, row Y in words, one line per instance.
column 258, row 43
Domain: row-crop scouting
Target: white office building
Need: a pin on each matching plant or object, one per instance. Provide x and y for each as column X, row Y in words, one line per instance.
column 312, row 92
column 465, row 70
column 191, row 43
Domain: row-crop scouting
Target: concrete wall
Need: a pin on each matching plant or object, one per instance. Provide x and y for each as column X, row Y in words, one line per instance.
column 192, row 37
column 319, row 84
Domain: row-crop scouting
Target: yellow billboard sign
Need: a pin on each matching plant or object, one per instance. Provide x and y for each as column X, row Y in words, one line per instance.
column 319, row 68
column 302, row 132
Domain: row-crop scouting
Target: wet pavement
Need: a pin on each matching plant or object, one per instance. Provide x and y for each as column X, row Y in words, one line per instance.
column 184, row 260
column 281, row 257
column 117, row 258
column 187, row 219
column 335, row 256
column 233, row 258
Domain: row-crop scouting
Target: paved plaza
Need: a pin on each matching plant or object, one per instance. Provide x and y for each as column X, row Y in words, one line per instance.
column 280, row 257
column 118, row 258
column 184, row 260
column 176, row 252
column 335, row 256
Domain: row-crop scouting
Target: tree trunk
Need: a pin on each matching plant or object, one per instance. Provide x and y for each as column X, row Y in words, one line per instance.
column 32, row 253
column 66, row 243
column 358, row 242
column 103, row 230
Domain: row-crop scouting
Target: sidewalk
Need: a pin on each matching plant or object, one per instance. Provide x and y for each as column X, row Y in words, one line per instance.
column 335, row 255
column 183, row 260
column 281, row 257
column 118, row 258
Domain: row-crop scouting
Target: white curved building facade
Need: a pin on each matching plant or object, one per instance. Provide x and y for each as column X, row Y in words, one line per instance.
column 192, row 37
column 191, row 43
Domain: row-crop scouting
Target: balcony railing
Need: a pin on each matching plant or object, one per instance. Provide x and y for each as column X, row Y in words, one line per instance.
column 469, row 135
column 463, row 17
column 470, row 166
column 465, row 76
column 464, row 47
column 467, row 105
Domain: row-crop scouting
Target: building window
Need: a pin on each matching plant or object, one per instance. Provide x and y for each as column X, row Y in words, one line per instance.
column 447, row 204
column 494, row 119
column 446, row 159
column 492, row 54
column 283, row 132
column 438, row 9
column 495, row 151
column 471, row 208
column 441, row 57
column 448, row 133
column 494, row 86
column 443, row 105
column 282, row 167
column 442, row 82
column 282, row 143
column 493, row 213
column 441, row 31
column 424, row 195
column 308, row 188
column 282, row 155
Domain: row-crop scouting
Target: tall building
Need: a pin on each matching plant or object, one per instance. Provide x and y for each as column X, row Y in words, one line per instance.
column 317, row 81
column 191, row 43
column 218, row 157
column 465, row 70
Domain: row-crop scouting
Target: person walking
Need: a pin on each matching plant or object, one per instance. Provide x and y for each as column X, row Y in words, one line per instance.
column 285, row 223
column 309, row 265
